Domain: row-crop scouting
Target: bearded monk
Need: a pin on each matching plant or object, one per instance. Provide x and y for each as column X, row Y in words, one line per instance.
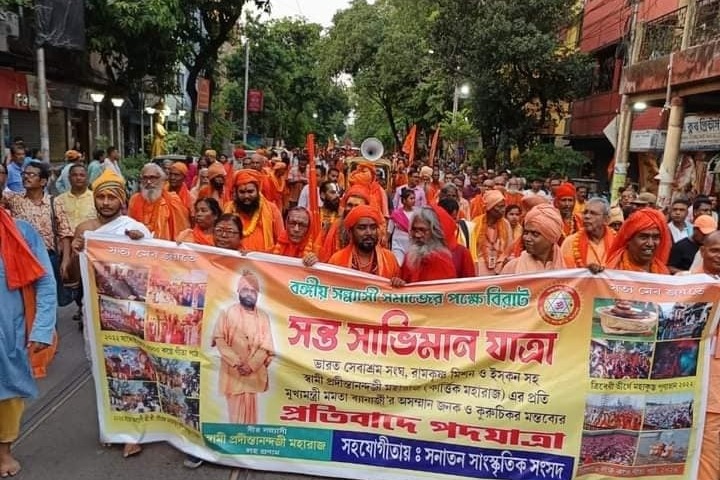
column 162, row 212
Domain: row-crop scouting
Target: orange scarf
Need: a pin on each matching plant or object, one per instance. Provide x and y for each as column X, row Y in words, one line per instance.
column 526, row 263
column 386, row 263
column 184, row 195
column 262, row 218
column 623, row 262
column 207, row 191
column 287, row 248
column 22, row 269
column 581, row 242
column 201, row 238
column 480, row 249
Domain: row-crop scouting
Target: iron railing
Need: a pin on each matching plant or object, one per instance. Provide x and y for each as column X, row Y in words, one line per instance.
column 664, row 35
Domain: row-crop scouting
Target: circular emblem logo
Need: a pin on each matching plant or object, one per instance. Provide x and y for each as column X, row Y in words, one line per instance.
column 559, row 305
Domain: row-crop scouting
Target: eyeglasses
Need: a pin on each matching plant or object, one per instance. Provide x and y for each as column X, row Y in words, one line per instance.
column 29, row 174
column 221, row 232
column 150, row 178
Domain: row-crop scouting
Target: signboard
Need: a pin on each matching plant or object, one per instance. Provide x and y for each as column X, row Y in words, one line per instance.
column 701, row 133
column 647, row 140
column 258, row 362
column 255, row 101
column 203, row 94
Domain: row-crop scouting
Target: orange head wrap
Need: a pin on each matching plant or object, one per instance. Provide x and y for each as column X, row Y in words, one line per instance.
column 492, row 198
column 250, row 278
column 72, row 155
column 565, row 189
column 363, row 211
column 530, row 201
column 643, row 219
column 449, row 227
column 359, row 191
column 112, row 183
column 180, row 167
column 546, row 220
column 364, row 174
column 216, row 170
column 247, row 175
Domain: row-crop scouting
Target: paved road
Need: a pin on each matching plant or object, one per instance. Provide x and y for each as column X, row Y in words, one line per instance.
column 60, row 431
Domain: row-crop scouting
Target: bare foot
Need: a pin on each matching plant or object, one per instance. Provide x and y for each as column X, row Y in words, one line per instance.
column 9, row 467
column 131, row 449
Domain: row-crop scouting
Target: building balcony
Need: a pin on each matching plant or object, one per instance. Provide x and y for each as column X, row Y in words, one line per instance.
column 681, row 47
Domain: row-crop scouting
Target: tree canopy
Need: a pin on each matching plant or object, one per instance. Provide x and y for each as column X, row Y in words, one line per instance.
column 298, row 98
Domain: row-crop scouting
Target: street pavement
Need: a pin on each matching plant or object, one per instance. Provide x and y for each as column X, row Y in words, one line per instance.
column 60, row 438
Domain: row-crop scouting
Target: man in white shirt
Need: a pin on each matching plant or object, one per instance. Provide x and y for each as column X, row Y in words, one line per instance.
column 112, row 161
column 679, row 226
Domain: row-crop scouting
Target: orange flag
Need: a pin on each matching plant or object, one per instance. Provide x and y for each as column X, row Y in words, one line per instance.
column 434, row 145
column 313, row 187
column 409, row 145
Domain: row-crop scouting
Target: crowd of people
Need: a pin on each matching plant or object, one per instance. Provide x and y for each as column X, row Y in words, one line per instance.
column 615, row 448
column 610, row 417
column 668, row 416
column 417, row 221
column 617, row 359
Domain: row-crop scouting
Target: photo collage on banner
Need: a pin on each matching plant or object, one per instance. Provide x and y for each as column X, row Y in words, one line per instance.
column 156, row 306
column 658, row 345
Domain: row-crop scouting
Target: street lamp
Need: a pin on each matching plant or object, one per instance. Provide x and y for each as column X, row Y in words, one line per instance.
column 97, row 99
column 247, row 79
column 118, row 103
column 640, row 106
column 461, row 91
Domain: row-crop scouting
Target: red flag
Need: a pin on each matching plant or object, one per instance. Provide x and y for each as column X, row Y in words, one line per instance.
column 313, row 187
column 409, row 145
column 434, row 145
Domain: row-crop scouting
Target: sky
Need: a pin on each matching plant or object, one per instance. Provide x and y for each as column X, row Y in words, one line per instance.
column 316, row 11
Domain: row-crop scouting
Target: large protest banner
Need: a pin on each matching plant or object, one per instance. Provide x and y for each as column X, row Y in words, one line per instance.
column 262, row 363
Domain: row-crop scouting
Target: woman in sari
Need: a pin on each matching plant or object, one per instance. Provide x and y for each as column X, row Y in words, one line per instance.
column 399, row 224
column 207, row 211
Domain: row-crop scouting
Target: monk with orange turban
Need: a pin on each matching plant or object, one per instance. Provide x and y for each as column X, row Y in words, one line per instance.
column 642, row 244
column 542, row 228
column 176, row 183
column 365, row 175
column 162, row 212
column 337, row 236
column 364, row 252
column 296, row 240
column 261, row 219
column 493, row 235
column 565, row 202
column 219, row 187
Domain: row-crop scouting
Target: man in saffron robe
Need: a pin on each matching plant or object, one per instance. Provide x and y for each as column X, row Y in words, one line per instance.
column 493, row 235
column 365, row 175
column 295, row 241
column 261, row 219
column 177, row 173
column 590, row 245
column 642, row 244
column 564, row 201
column 542, row 228
column 274, row 187
column 462, row 260
column 364, row 252
column 244, row 339
column 162, row 212
column 428, row 257
column 219, row 185
column 27, row 326
column 337, row 236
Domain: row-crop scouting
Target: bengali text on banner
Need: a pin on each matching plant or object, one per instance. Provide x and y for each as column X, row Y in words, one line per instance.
column 256, row 361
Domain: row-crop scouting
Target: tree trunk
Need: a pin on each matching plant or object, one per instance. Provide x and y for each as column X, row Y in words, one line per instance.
column 391, row 121
column 191, row 89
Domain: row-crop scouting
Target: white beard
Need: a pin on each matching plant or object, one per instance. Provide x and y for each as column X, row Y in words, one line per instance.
column 152, row 195
column 417, row 253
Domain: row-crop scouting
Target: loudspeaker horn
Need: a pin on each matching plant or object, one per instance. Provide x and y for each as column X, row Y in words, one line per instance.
column 371, row 149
